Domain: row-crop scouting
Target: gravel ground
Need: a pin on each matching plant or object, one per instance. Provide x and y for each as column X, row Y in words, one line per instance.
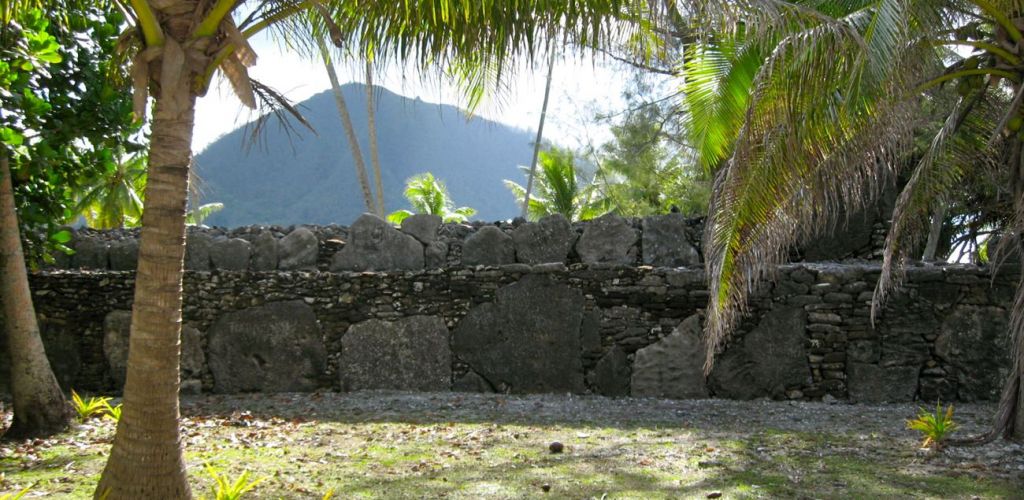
column 882, row 427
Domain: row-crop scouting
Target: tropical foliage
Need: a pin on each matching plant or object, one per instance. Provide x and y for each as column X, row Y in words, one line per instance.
column 936, row 427
column 428, row 195
column 558, row 188
column 113, row 199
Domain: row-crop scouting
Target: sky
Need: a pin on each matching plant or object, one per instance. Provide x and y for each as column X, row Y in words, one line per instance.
column 580, row 88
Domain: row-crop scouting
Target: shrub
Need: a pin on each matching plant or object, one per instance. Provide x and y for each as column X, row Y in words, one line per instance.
column 936, row 427
column 88, row 408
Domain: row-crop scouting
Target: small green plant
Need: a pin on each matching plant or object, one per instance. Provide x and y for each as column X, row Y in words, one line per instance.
column 225, row 489
column 15, row 496
column 113, row 412
column 936, row 427
column 88, row 408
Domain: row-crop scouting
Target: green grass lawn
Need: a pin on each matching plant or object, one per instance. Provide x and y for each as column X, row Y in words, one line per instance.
column 421, row 455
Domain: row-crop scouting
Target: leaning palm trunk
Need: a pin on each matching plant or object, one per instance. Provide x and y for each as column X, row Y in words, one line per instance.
column 350, row 133
column 371, row 126
column 39, row 406
column 146, row 460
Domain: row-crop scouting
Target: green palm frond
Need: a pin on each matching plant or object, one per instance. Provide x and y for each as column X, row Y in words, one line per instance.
column 428, row 195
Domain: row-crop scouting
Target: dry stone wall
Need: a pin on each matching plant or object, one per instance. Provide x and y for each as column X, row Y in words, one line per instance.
column 603, row 327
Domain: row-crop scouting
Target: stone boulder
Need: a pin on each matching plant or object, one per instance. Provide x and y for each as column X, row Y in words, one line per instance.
column 489, row 246
column 435, row 255
column 411, row 354
column 264, row 252
column 768, row 360
column 90, row 253
column 423, row 227
column 374, row 245
column 298, row 250
column 116, row 331
column 666, row 242
column 124, row 255
column 231, row 254
column 547, row 240
column 870, row 383
column 276, row 347
column 975, row 343
column 197, row 251
column 471, row 382
column 62, row 344
column 611, row 375
column 608, row 238
column 528, row 339
column 672, row 367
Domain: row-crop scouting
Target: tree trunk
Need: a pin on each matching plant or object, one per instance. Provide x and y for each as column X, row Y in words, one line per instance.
column 934, row 232
column 371, row 126
column 39, row 406
column 540, row 135
column 146, row 460
column 350, row 132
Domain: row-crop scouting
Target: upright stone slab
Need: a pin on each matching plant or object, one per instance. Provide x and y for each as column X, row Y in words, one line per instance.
column 116, row 331
column 435, row 255
column 124, row 255
column 611, row 375
column 376, row 246
column 672, row 367
column 608, row 238
column 666, row 242
column 869, row 383
column 276, row 347
column 975, row 343
column 489, row 246
column 528, row 339
column 547, row 240
column 767, row 360
column 264, row 252
column 423, row 227
column 63, row 350
column 90, row 253
column 197, row 250
column 298, row 250
column 411, row 354
column 231, row 254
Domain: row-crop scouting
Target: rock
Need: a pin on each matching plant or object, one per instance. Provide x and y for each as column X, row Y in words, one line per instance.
column 489, row 246
column 528, row 339
column 731, row 377
column 197, row 250
column 376, row 246
column 275, row 347
column 264, row 252
column 767, row 360
column 63, row 350
column 608, row 238
column 611, row 375
column 124, row 255
column 411, row 354
column 472, row 382
column 90, row 253
column 547, row 240
column 975, row 341
column 423, row 227
column 868, row 383
column 231, row 254
column 435, row 255
column 666, row 242
column 116, row 331
column 556, row 447
column 672, row 367
column 298, row 250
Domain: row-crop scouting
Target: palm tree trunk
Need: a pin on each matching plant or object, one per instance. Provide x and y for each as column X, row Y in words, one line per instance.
column 39, row 406
column 540, row 134
column 371, row 126
column 934, row 232
column 146, row 460
column 350, row 132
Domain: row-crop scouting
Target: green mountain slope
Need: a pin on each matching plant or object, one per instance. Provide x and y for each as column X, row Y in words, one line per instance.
column 310, row 179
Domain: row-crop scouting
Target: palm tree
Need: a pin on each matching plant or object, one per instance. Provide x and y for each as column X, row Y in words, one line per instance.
column 559, row 189
column 114, row 200
column 428, row 195
column 181, row 44
column 371, row 127
column 809, row 106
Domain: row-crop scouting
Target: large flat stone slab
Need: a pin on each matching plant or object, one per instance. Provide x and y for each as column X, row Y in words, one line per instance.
column 672, row 367
column 666, row 242
column 116, row 332
column 975, row 343
column 528, row 339
column 411, row 354
column 608, row 238
column 275, row 347
column 298, row 250
column 547, row 240
column 374, row 245
column 489, row 246
column 767, row 360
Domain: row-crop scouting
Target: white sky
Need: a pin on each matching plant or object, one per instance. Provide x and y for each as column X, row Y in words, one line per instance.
column 579, row 88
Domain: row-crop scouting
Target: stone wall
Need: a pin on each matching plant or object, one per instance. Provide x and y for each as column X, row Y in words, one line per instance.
column 607, row 327
column 423, row 242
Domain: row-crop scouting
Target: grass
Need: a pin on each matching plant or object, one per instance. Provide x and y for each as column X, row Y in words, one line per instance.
column 425, row 456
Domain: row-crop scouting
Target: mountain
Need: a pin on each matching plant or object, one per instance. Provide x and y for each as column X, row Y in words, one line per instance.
column 308, row 178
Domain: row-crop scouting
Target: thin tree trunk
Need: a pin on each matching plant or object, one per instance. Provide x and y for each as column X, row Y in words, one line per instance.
column 39, row 406
column 350, row 133
column 146, row 460
column 371, row 125
column 540, row 134
column 934, row 232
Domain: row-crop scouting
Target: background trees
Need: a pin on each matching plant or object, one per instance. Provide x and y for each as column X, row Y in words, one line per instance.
column 428, row 195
